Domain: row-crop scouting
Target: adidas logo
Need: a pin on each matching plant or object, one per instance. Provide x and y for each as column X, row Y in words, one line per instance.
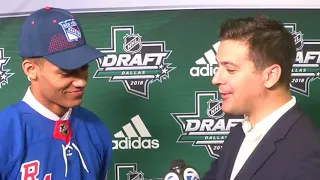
column 206, row 66
column 132, row 140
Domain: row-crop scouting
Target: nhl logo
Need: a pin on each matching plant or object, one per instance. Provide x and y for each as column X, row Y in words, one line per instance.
column 298, row 39
column 135, row 175
column 71, row 30
column 214, row 109
column 132, row 43
column 64, row 129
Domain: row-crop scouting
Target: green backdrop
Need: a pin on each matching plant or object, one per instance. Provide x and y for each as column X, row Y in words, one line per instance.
column 148, row 89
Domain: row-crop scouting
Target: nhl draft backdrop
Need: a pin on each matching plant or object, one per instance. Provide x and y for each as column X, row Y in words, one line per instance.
column 153, row 88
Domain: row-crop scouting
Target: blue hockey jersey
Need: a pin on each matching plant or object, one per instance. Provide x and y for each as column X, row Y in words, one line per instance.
column 29, row 149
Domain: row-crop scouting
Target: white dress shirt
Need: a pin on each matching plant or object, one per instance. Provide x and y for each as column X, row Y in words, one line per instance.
column 35, row 104
column 253, row 136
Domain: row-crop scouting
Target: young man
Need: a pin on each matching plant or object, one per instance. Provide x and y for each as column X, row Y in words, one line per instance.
column 276, row 141
column 47, row 135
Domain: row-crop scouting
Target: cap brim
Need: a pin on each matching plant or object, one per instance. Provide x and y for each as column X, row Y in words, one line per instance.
column 74, row 58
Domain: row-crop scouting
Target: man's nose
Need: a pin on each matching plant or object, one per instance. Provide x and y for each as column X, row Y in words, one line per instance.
column 80, row 82
column 81, row 78
column 216, row 78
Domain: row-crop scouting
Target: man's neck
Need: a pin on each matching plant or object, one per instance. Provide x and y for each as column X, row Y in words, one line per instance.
column 270, row 103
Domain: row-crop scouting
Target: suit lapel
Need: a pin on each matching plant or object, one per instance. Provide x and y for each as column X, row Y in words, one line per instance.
column 267, row 146
column 229, row 156
column 261, row 154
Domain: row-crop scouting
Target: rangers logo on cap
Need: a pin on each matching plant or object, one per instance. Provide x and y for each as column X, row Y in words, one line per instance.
column 71, row 30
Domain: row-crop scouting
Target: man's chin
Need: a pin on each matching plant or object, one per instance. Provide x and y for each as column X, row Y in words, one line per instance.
column 74, row 103
column 230, row 110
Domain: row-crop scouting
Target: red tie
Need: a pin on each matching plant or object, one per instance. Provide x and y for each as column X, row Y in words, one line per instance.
column 62, row 131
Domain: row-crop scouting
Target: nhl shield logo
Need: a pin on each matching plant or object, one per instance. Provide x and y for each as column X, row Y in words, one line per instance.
column 132, row 43
column 71, row 30
column 214, row 109
column 298, row 39
column 135, row 175
column 64, row 129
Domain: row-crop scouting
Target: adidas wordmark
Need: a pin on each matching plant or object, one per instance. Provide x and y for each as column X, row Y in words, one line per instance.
column 133, row 140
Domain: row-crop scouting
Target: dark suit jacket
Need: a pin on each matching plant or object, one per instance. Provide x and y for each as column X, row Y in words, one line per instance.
column 289, row 151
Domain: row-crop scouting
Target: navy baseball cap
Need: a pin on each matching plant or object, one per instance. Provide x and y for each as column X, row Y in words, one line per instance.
column 56, row 35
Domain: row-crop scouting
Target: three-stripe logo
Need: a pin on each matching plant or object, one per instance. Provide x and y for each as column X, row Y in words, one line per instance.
column 207, row 65
column 130, row 137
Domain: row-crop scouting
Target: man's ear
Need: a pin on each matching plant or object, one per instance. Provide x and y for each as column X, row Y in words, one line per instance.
column 272, row 75
column 30, row 69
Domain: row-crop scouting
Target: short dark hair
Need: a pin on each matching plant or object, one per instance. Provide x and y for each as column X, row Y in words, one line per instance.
column 268, row 40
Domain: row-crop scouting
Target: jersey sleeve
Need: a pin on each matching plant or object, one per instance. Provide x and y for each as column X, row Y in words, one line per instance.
column 106, row 162
column 11, row 142
column 106, row 152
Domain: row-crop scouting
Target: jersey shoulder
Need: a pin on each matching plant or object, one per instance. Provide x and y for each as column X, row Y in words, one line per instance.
column 11, row 135
column 98, row 129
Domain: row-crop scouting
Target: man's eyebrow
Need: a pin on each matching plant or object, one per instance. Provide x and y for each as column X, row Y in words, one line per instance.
column 225, row 63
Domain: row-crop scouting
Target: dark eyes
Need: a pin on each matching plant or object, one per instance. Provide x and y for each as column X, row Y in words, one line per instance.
column 231, row 70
